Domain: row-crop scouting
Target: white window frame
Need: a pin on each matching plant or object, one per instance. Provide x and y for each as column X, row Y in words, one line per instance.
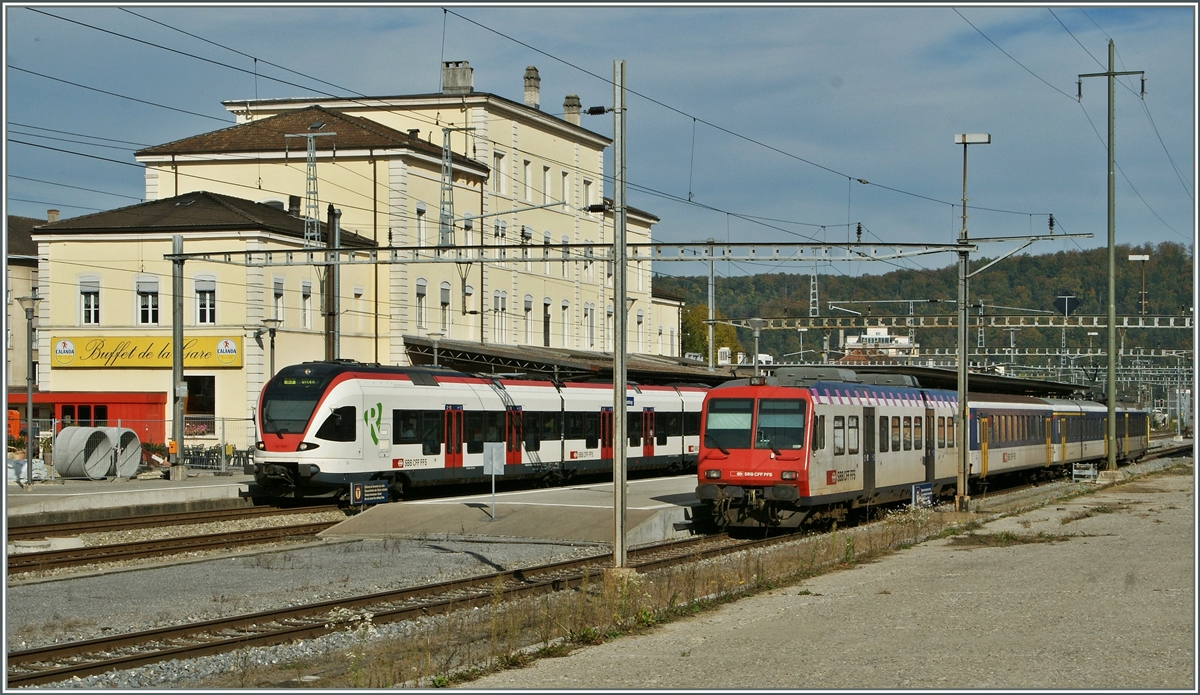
column 306, row 308
column 206, row 300
column 147, row 297
column 89, row 300
column 421, row 289
column 527, row 180
column 545, row 184
column 444, row 304
column 277, row 304
column 566, row 324
column 422, row 225
column 498, row 173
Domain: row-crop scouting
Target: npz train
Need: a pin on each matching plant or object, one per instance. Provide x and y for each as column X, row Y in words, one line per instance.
column 325, row 425
column 810, row 443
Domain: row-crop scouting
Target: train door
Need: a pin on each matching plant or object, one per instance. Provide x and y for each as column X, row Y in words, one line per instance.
column 647, row 432
column 984, row 433
column 1049, row 440
column 452, row 434
column 929, row 446
column 606, row 433
column 513, row 435
column 868, row 450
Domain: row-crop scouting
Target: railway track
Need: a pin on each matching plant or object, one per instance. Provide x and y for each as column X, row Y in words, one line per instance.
column 143, row 521
column 73, row 557
column 77, row 659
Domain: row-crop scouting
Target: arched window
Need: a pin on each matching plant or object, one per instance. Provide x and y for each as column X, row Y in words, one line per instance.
column 421, row 302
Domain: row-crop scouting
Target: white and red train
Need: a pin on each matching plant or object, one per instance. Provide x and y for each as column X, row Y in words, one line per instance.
column 325, row 425
column 811, row 443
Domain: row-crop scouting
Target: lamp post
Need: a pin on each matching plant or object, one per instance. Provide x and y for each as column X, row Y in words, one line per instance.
column 802, row 331
column 29, row 304
column 757, row 325
column 961, row 496
column 271, row 325
column 1141, row 258
column 434, row 337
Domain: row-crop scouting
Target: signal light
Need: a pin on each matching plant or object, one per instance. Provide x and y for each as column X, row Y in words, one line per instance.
column 712, row 474
column 788, row 475
column 758, row 381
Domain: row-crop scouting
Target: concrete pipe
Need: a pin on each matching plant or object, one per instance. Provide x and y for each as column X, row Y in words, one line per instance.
column 83, row 452
column 129, row 451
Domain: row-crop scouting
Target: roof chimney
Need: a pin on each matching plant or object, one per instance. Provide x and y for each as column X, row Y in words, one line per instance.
column 51, row 216
column 571, row 108
column 294, row 205
column 414, row 133
column 457, row 77
column 533, row 83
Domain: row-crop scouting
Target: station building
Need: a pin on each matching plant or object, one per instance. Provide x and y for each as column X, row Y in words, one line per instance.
column 517, row 178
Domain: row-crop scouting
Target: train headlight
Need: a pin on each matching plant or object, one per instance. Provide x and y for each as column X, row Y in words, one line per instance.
column 788, row 475
column 307, row 446
column 712, row 473
column 260, row 446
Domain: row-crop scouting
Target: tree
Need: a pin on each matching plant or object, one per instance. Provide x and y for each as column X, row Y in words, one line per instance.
column 695, row 331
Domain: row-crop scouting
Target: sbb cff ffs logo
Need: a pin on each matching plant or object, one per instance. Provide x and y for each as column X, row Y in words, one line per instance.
column 835, row 477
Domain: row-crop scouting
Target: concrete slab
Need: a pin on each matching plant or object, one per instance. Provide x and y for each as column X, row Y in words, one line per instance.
column 582, row 513
column 58, row 500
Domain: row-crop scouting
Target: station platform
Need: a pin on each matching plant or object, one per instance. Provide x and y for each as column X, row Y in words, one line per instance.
column 581, row 513
column 49, row 501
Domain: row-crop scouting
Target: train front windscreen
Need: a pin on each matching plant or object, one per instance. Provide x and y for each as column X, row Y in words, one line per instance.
column 290, row 398
column 731, row 423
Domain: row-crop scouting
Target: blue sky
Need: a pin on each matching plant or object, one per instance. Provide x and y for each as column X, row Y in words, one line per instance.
column 805, row 100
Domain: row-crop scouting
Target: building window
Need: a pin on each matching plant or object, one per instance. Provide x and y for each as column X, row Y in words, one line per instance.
column 589, row 321
column 565, row 254
column 421, row 302
column 587, row 193
column 566, row 323
column 545, row 184
column 497, row 172
column 641, row 332
column 546, row 252
column 422, row 220
column 609, row 336
column 499, row 316
column 147, row 295
column 565, row 190
column 444, row 299
column 529, row 319
column 277, row 300
column 206, row 300
column 527, row 180
column 89, row 301
column 359, row 310
column 546, row 322
column 306, row 308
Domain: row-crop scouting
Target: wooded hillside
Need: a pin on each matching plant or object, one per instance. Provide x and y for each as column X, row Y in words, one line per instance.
column 1016, row 285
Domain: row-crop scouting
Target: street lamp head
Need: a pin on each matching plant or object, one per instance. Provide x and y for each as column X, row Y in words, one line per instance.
column 972, row 139
column 29, row 303
column 756, row 324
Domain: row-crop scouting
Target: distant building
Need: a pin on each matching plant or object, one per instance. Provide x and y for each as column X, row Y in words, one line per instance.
column 879, row 342
column 21, row 274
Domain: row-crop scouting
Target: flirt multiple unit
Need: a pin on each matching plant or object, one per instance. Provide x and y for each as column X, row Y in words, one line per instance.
column 812, row 442
column 325, row 425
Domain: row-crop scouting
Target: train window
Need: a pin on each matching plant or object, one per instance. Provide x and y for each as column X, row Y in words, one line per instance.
column 406, row 426
column 780, row 424
column 907, row 433
column 950, row 440
column 670, row 426
column 691, row 424
column 839, row 435
column 728, row 423
column 918, row 440
column 852, row 434
column 941, row 432
column 533, row 430
column 339, row 426
column 431, row 432
column 633, row 428
column 551, row 426
column 895, row 433
column 883, row 433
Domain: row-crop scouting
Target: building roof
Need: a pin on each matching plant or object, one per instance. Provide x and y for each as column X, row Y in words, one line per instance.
column 267, row 135
column 199, row 211
column 20, row 239
column 402, row 101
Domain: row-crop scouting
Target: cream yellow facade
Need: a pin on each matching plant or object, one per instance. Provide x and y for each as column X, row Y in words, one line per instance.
column 120, row 340
column 528, row 180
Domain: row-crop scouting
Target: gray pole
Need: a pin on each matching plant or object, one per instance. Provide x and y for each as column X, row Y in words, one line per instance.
column 1112, row 272
column 335, row 272
column 178, row 385
column 712, row 298
column 620, row 441
column 1111, row 433
column 30, row 430
column 964, row 454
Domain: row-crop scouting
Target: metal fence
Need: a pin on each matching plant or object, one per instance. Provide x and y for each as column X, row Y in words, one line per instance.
column 209, row 443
